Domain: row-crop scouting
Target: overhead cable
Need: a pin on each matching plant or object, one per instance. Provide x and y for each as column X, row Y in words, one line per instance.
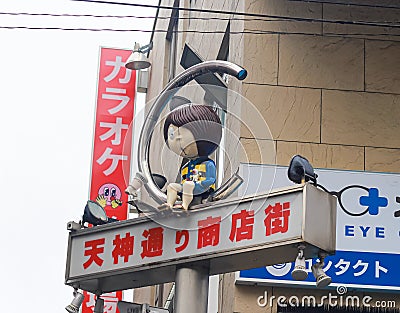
column 298, row 19
column 74, row 15
column 349, row 4
column 370, row 23
column 256, row 32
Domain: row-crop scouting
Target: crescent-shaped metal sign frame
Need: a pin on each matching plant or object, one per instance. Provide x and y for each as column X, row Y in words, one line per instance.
column 161, row 101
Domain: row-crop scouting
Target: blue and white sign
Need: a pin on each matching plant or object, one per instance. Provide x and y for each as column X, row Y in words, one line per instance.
column 352, row 269
column 368, row 234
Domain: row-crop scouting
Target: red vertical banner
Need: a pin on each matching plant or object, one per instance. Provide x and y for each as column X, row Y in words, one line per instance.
column 111, row 158
column 114, row 115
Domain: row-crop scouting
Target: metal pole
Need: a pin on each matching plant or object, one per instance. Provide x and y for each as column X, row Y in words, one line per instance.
column 191, row 289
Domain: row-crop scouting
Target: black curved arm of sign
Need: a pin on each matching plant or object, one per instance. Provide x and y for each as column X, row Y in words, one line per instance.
column 338, row 194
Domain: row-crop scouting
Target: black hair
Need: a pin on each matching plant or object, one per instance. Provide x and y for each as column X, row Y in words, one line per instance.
column 202, row 121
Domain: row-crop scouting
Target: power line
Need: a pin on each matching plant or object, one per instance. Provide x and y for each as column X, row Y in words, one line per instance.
column 387, row 24
column 79, row 29
column 74, row 15
column 349, row 4
column 298, row 19
column 256, row 32
column 140, row 17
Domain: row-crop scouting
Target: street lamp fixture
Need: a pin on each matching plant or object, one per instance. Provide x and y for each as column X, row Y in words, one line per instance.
column 300, row 170
column 76, row 302
column 321, row 278
column 299, row 272
column 138, row 60
column 95, row 214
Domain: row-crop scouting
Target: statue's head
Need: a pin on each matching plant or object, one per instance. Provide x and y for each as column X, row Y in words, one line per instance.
column 193, row 130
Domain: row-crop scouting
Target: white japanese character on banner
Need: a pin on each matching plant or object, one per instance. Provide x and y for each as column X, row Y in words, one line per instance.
column 364, row 267
column 114, row 129
column 110, row 302
column 379, row 268
column 92, row 300
column 343, row 265
column 115, row 159
column 117, row 65
column 119, row 96
column 327, row 266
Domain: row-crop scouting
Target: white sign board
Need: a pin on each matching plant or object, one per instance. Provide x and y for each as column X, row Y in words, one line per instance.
column 227, row 235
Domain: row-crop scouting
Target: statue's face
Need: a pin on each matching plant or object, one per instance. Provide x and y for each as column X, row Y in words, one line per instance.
column 182, row 142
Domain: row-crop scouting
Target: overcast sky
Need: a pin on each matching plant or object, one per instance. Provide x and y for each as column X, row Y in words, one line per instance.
column 47, row 96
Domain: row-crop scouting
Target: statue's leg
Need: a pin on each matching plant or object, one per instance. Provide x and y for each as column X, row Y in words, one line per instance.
column 172, row 193
column 187, row 194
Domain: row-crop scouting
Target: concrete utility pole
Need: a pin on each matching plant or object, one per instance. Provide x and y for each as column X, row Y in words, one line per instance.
column 191, row 293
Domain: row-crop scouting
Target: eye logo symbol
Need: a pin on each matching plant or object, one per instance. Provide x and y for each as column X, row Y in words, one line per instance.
column 372, row 201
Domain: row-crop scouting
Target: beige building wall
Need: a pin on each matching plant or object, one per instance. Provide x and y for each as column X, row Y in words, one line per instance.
column 327, row 91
